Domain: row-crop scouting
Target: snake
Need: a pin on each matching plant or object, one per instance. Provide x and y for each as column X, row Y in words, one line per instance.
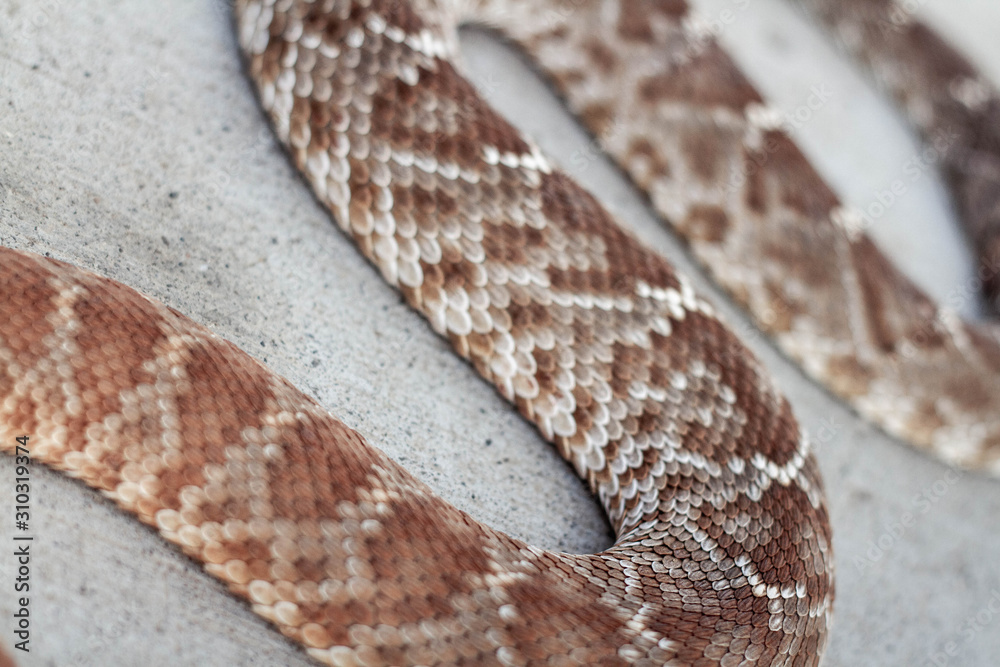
column 723, row 548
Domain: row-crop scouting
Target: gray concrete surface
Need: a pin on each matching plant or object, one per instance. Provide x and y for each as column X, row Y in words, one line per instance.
column 130, row 144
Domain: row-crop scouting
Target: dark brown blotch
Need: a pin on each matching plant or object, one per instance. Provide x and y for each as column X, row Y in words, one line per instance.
column 705, row 222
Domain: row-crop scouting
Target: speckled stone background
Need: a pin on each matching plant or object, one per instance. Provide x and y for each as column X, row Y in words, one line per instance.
column 130, row 144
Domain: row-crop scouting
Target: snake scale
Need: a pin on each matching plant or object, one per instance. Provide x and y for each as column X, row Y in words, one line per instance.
column 723, row 549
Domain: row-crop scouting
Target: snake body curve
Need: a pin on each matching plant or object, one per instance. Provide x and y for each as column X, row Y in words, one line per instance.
column 723, row 551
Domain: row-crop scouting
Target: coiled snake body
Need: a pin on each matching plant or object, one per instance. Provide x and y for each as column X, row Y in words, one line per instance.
column 723, row 543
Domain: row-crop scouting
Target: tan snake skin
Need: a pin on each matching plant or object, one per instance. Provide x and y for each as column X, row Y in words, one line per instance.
column 692, row 131
column 723, row 551
column 942, row 95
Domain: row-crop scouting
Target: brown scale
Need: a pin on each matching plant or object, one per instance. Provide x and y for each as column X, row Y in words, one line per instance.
column 710, row 79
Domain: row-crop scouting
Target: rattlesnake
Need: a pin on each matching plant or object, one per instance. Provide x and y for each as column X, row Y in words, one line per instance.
column 709, row 371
